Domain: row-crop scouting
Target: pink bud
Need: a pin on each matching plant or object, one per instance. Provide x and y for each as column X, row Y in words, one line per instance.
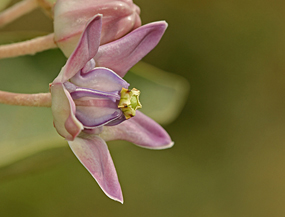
column 71, row 17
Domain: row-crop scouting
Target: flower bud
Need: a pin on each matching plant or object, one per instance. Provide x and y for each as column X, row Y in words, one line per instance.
column 71, row 17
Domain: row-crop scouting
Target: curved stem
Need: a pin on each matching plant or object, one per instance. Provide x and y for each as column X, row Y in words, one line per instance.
column 36, row 100
column 28, row 47
column 17, row 10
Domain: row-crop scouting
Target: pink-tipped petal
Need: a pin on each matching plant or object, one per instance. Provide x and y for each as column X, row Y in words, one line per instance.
column 140, row 130
column 93, row 153
column 63, row 110
column 122, row 54
column 86, row 48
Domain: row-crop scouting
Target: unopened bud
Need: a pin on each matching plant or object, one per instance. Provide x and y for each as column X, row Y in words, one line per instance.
column 71, row 16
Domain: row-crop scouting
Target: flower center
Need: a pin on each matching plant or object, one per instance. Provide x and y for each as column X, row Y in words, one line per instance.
column 129, row 102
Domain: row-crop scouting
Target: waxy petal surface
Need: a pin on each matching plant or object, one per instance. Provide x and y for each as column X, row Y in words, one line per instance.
column 63, row 110
column 124, row 53
column 93, row 153
column 86, row 92
column 97, row 113
column 86, row 49
column 101, row 79
column 140, row 130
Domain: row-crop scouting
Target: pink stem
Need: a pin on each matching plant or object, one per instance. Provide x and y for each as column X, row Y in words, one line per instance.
column 36, row 100
column 28, row 47
column 16, row 11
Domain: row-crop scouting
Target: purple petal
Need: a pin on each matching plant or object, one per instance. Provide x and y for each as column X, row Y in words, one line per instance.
column 117, row 121
column 96, row 108
column 101, row 79
column 86, row 48
column 95, row 116
column 140, row 130
column 63, row 110
column 93, row 153
column 122, row 54
column 94, row 131
column 88, row 66
column 85, row 92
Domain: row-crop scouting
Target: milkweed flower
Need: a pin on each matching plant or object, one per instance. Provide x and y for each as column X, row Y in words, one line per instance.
column 91, row 102
column 71, row 16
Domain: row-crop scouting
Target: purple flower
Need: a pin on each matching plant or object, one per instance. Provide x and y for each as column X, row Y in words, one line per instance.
column 87, row 100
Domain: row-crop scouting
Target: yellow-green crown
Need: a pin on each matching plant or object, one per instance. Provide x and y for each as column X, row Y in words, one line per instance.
column 129, row 102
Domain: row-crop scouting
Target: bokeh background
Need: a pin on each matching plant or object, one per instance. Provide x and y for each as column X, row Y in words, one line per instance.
column 228, row 157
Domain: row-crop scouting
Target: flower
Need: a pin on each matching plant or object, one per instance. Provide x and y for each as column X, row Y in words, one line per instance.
column 71, row 16
column 89, row 103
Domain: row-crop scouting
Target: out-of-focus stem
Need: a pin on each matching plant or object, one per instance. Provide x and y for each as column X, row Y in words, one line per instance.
column 17, row 10
column 28, row 47
column 35, row 100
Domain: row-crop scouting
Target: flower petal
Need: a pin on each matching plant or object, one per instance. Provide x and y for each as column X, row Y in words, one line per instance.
column 93, row 153
column 86, row 48
column 140, row 130
column 101, row 79
column 97, row 115
column 122, row 54
column 95, row 108
column 63, row 110
column 86, row 92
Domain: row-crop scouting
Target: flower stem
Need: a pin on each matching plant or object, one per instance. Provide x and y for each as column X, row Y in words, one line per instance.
column 36, row 100
column 17, row 10
column 28, row 47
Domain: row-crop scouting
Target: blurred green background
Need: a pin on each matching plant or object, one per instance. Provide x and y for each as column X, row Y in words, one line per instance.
column 228, row 156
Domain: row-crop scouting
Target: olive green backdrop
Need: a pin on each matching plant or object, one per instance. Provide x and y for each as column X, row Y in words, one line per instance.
column 228, row 157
